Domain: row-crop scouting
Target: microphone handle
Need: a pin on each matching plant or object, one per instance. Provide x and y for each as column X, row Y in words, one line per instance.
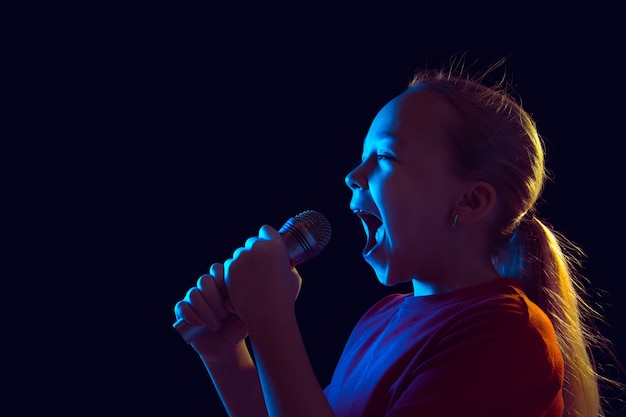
column 186, row 330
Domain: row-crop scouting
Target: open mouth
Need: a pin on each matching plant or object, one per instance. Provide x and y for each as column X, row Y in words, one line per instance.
column 373, row 226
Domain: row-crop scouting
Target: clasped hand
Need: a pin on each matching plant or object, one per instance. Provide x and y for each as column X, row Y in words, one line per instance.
column 247, row 292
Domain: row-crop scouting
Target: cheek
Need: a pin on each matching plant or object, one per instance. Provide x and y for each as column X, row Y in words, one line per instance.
column 410, row 208
column 414, row 223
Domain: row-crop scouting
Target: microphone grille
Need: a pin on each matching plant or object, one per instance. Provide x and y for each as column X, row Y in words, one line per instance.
column 317, row 224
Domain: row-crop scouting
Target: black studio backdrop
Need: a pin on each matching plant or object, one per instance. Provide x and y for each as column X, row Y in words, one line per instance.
column 159, row 138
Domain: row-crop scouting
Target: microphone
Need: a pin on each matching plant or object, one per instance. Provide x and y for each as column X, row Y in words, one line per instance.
column 304, row 235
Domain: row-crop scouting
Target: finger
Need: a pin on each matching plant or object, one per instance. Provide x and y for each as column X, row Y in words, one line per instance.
column 212, row 295
column 183, row 310
column 250, row 242
column 268, row 232
column 217, row 270
column 230, row 307
column 237, row 253
column 203, row 309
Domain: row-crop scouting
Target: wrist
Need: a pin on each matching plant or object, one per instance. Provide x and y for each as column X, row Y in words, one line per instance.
column 231, row 355
column 272, row 321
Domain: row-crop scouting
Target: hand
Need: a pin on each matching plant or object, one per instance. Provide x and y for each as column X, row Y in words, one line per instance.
column 260, row 281
column 206, row 305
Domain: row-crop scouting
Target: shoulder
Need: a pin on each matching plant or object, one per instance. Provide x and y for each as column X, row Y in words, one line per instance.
column 507, row 320
column 501, row 303
column 388, row 304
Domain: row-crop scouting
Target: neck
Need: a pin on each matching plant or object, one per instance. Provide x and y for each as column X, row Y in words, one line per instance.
column 453, row 282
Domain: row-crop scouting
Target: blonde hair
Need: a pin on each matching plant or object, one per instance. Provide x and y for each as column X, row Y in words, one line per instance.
column 497, row 141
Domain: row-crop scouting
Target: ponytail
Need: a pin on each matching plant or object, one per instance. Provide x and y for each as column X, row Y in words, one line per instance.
column 547, row 265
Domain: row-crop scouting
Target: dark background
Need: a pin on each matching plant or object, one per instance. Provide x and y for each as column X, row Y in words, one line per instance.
column 152, row 140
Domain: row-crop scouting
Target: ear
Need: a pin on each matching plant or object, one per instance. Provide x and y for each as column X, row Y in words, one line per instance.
column 476, row 202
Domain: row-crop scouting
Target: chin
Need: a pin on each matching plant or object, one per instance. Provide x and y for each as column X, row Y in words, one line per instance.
column 387, row 277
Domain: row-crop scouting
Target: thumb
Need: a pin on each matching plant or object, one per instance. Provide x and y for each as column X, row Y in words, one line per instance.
column 268, row 232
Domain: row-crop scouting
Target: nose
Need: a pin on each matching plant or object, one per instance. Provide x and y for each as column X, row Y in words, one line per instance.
column 354, row 179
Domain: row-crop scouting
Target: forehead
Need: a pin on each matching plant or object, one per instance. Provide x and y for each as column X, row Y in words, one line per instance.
column 417, row 112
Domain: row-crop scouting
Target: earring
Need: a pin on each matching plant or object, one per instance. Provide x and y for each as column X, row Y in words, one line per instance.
column 454, row 220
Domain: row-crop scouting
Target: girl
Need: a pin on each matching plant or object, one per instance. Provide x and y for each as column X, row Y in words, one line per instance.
column 495, row 326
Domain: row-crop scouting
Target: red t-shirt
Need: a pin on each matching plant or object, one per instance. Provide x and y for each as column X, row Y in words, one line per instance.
column 481, row 351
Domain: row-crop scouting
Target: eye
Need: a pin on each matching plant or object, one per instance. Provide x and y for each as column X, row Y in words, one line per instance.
column 384, row 156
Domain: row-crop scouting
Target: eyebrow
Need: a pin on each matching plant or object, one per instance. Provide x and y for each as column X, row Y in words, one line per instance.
column 388, row 136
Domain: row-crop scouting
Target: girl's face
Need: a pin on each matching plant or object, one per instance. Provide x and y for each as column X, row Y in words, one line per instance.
column 404, row 190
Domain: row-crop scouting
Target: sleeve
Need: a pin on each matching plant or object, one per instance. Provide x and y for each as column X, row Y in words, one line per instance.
column 488, row 364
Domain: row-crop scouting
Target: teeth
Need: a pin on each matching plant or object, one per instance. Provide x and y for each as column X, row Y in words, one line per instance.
column 380, row 232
